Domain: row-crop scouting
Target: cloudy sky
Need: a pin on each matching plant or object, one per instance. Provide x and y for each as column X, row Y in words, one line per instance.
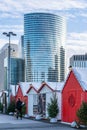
column 12, row 15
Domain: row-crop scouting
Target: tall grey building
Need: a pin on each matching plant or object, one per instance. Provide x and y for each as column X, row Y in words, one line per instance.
column 44, row 39
column 3, row 55
column 79, row 61
column 21, row 47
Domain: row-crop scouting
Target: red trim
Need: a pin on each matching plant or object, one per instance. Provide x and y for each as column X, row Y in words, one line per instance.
column 31, row 87
column 67, row 80
column 45, row 84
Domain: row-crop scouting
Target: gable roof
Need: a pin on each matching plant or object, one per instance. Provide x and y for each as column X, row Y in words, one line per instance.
column 35, row 86
column 52, row 85
column 81, row 76
column 45, row 84
column 32, row 87
column 24, row 87
column 14, row 89
column 1, row 93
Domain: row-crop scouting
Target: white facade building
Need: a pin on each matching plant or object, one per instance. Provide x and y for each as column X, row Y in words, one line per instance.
column 79, row 61
column 3, row 55
column 39, row 96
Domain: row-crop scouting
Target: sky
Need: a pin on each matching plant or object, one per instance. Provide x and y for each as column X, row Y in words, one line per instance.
column 12, row 19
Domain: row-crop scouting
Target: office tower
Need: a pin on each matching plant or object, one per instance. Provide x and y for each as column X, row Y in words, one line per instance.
column 44, row 39
column 21, row 47
column 79, row 61
column 17, row 71
column 3, row 55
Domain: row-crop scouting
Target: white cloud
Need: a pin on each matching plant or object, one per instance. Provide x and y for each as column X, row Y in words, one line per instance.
column 15, row 28
column 16, row 9
column 4, row 41
column 74, row 50
column 83, row 14
column 51, row 4
column 10, row 15
column 23, row 6
column 79, row 39
column 76, row 44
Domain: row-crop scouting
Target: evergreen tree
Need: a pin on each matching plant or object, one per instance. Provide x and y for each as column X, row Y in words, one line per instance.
column 1, row 107
column 82, row 113
column 11, row 107
column 52, row 107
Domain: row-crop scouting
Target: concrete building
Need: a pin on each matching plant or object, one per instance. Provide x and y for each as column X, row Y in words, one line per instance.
column 3, row 55
column 79, row 61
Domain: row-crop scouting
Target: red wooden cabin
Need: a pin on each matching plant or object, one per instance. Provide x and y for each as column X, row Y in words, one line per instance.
column 73, row 93
column 21, row 92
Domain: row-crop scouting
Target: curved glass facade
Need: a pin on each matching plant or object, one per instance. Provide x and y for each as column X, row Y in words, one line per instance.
column 44, row 35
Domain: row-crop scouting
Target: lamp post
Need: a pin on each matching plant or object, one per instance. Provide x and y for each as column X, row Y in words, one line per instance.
column 9, row 34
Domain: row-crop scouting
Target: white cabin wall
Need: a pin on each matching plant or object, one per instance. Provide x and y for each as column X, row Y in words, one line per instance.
column 59, row 105
column 30, row 105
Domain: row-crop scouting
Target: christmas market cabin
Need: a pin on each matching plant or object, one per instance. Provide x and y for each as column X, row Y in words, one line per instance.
column 73, row 93
column 21, row 92
column 32, row 99
column 14, row 89
column 46, row 92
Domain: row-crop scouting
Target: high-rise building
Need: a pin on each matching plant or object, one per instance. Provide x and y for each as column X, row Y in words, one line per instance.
column 21, row 47
column 79, row 61
column 17, row 71
column 44, row 39
column 3, row 55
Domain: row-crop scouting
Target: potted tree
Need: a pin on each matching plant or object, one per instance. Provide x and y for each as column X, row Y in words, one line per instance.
column 82, row 114
column 53, row 109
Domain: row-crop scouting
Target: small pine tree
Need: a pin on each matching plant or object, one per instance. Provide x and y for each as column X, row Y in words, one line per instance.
column 1, row 107
column 11, row 107
column 82, row 113
column 24, row 109
column 52, row 107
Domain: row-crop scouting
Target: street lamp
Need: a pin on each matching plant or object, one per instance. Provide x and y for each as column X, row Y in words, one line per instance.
column 9, row 34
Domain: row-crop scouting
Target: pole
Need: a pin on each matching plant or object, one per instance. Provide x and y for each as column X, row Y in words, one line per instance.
column 9, row 64
column 9, row 70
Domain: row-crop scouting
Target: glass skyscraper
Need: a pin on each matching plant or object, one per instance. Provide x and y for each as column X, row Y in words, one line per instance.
column 17, row 71
column 44, row 39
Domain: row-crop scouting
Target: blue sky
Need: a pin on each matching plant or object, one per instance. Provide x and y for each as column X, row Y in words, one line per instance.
column 12, row 15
